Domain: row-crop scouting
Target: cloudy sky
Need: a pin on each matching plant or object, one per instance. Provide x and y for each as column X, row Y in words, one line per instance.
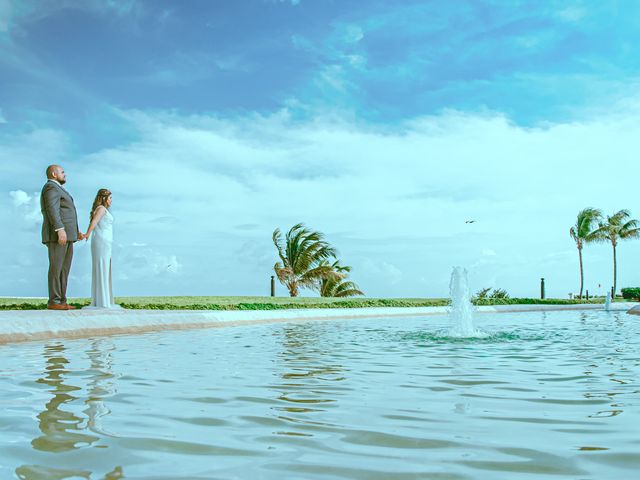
column 385, row 125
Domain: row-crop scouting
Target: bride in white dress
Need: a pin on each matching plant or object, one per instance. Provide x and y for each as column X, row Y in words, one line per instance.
column 101, row 226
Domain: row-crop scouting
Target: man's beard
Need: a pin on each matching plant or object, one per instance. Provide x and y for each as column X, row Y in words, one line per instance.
column 62, row 182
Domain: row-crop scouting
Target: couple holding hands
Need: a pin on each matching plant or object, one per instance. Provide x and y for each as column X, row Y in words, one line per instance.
column 60, row 231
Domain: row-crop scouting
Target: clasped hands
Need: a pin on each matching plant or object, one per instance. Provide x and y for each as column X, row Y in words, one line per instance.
column 62, row 237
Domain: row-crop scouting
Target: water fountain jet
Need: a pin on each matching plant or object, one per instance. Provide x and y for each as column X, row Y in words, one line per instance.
column 461, row 307
column 607, row 302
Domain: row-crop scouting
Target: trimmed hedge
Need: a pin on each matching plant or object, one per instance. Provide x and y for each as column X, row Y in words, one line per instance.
column 359, row 303
column 37, row 306
column 535, row 301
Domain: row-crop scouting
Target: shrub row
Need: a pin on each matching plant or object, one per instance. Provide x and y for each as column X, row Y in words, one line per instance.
column 535, row 301
column 289, row 306
column 360, row 303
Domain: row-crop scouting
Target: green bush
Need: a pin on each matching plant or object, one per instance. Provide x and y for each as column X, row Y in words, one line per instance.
column 482, row 294
column 498, row 296
column 535, row 301
column 631, row 293
column 212, row 304
column 359, row 303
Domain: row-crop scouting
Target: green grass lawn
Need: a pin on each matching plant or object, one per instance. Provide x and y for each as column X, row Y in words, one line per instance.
column 272, row 303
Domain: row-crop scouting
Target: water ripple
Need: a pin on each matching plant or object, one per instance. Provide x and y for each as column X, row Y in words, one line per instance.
column 541, row 395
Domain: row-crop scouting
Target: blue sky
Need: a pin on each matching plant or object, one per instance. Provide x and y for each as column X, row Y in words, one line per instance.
column 383, row 125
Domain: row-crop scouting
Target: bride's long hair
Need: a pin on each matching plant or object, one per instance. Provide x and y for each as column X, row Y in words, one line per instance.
column 101, row 199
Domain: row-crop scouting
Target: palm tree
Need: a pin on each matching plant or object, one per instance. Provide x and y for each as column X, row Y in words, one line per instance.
column 338, row 286
column 301, row 253
column 583, row 232
column 618, row 226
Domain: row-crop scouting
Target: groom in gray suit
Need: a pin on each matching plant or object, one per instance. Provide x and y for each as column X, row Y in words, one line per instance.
column 59, row 232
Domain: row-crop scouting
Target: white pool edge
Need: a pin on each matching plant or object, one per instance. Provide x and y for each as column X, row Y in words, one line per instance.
column 32, row 325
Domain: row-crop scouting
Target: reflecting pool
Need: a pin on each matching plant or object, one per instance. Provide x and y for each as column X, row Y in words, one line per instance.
column 543, row 395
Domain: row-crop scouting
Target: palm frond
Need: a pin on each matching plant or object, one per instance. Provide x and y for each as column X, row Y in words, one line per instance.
column 619, row 217
column 583, row 230
column 618, row 226
column 573, row 234
column 630, row 230
column 277, row 241
column 310, row 278
column 341, row 288
column 304, row 256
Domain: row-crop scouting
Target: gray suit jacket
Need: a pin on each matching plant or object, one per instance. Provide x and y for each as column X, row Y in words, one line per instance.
column 58, row 211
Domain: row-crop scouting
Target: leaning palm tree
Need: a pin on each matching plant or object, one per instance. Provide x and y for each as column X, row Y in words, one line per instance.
column 583, row 232
column 338, row 286
column 302, row 252
column 618, row 226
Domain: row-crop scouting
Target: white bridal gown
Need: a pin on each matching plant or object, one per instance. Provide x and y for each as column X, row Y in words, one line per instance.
column 101, row 242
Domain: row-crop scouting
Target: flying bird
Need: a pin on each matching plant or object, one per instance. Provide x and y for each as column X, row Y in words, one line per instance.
column 470, row 221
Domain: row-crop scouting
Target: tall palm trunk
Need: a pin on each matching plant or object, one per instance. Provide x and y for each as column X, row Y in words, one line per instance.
column 618, row 226
column 581, row 270
column 615, row 269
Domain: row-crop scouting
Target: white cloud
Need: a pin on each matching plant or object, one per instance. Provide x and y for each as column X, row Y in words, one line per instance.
column 143, row 263
column 393, row 201
column 571, row 14
column 183, row 69
column 384, row 272
column 20, row 198
column 353, row 34
column 5, row 15
column 338, row 56
column 39, row 10
column 28, row 205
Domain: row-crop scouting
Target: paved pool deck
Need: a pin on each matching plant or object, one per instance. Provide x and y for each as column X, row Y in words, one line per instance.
column 32, row 325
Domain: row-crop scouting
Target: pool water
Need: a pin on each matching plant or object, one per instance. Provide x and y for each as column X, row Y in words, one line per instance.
column 544, row 395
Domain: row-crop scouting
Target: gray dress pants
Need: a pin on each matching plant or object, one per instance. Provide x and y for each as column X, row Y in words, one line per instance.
column 60, row 257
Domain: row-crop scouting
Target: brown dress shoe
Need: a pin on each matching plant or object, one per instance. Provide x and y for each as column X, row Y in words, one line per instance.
column 56, row 306
column 69, row 307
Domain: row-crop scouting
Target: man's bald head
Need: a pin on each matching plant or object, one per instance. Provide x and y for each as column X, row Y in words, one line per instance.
column 52, row 169
column 56, row 172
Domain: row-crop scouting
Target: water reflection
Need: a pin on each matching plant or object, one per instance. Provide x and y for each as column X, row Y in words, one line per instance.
column 61, row 428
column 100, row 385
column 64, row 431
column 37, row 472
column 603, row 365
column 310, row 373
column 345, row 399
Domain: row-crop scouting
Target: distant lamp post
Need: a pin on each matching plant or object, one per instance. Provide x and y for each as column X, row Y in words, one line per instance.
column 273, row 286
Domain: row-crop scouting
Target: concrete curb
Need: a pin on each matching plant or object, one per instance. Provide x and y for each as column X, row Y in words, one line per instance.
column 29, row 325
